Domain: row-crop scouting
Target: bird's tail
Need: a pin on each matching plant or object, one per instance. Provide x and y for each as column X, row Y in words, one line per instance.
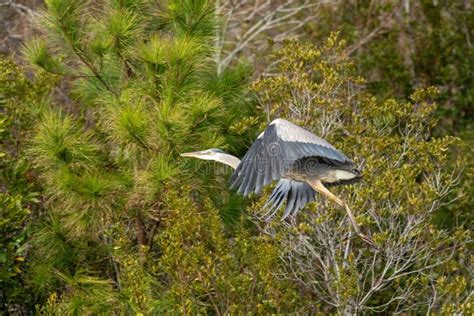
column 296, row 195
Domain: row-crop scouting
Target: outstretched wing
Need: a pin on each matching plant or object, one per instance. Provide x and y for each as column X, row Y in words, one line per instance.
column 272, row 154
column 297, row 195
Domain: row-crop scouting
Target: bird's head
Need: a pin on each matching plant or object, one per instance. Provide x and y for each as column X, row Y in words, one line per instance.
column 208, row 154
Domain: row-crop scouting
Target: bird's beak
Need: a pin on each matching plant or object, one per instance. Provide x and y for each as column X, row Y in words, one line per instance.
column 193, row 154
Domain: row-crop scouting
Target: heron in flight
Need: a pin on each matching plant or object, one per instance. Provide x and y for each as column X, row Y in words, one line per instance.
column 302, row 162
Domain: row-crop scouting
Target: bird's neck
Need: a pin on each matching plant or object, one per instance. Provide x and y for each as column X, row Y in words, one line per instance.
column 227, row 159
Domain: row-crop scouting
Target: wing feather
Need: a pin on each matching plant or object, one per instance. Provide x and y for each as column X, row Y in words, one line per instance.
column 297, row 195
column 271, row 155
column 291, row 202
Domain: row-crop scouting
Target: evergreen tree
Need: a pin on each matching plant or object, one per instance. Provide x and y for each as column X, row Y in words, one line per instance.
column 130, row 226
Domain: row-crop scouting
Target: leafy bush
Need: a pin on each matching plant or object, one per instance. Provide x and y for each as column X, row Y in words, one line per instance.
column 20, row 98
column 407, row 180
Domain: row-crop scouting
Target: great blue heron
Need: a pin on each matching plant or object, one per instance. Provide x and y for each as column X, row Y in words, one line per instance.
column 302, row 162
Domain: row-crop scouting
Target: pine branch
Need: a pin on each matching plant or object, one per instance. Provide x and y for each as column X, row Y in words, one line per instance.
column 81, row 55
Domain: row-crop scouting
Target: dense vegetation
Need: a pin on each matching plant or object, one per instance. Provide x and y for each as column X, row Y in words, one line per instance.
column 100, row 214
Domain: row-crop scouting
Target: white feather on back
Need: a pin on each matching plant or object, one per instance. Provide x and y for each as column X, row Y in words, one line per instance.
column 290, row 132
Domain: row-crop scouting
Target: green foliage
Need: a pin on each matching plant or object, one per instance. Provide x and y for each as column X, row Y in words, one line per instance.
column 399, row 48
column 37, row 53
column 87, row 294
column 128, row 226
column 59, row 142
column 408, row 176
column 209, row 283
column 190, row 17
column 420, row 43
column 123, row 225
column 20, row 98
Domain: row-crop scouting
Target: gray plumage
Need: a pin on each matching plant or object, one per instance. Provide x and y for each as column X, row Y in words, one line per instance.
column 293, row 156
column 296, row 194
column 276, row 150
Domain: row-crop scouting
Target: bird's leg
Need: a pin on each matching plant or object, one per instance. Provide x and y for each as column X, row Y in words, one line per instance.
column 318, row 186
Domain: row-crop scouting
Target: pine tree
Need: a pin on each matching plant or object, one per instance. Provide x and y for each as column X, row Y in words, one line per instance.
column 130, row 226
